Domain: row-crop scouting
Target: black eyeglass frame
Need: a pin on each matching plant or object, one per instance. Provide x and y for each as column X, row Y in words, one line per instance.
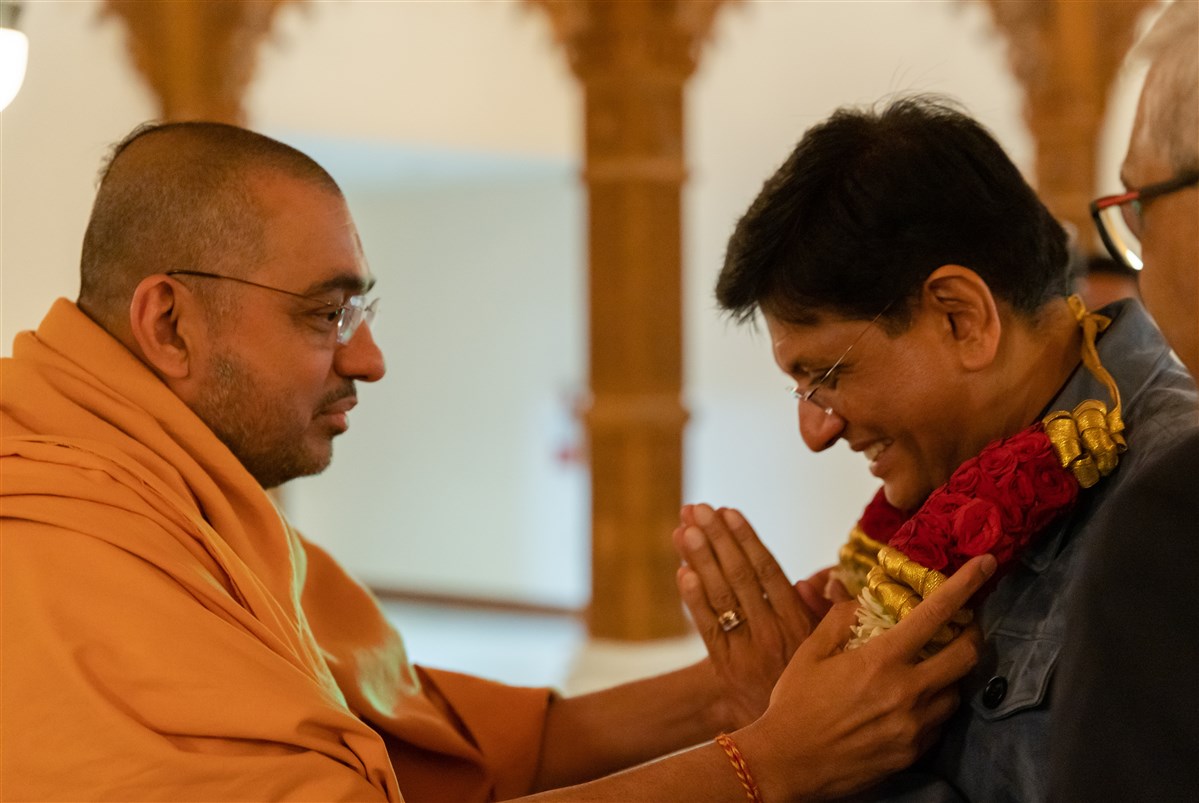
column 1139, row 197
column 356, row 307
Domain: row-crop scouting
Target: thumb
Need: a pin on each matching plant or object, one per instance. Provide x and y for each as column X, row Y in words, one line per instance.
column 833, row 632
column 812, row 598
column 835, row 590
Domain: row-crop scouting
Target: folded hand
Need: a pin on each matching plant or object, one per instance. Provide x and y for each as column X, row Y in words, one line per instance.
column 750, row 616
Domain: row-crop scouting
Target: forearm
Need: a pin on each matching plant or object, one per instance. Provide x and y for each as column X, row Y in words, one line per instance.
column 697, row 775
column 838, row 720
column 603, row 732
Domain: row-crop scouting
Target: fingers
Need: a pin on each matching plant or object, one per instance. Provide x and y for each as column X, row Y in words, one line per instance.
column 699, row 551
column 941, row 707
column 831, row 635
column 813, row 598
column 832, row 589
column 820, row 578
column 929, row 736
column 769, row 576
column 908, row 637
column 769, row 580
column 687, row 515
column 728, row 577
column 692, row 592
column 934, row 714
column 953, row 661
column 836, row 591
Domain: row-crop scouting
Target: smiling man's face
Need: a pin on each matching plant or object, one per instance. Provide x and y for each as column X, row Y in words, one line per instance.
column 895, row 398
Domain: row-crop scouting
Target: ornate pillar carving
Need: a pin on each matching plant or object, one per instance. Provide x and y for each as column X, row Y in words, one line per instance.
column 633, row 59
column 197, row 55
column 1065, row 54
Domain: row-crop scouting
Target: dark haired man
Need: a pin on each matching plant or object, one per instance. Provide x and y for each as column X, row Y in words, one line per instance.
column 915, row 289
column 167, row 636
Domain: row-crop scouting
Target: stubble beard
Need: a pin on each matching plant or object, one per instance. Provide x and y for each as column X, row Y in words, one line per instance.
column 256, row 427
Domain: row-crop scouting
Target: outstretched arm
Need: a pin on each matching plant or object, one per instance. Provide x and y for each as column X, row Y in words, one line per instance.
column 596, row 734
column 838, row 720
column 637, row 722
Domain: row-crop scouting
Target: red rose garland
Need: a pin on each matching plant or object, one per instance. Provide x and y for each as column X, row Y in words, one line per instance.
column 997, row 502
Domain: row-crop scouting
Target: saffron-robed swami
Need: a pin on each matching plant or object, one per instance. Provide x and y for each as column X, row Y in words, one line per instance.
column 146, row 575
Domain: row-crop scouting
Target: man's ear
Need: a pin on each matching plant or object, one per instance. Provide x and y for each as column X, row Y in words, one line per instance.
column 969, row 314
column 156, row 320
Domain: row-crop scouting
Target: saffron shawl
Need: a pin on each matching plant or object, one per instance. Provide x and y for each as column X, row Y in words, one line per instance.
column 168, row 636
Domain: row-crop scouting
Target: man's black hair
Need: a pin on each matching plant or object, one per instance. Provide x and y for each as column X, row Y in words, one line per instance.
column 871, row 202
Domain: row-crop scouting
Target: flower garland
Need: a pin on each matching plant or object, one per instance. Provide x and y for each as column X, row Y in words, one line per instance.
column 997, row 502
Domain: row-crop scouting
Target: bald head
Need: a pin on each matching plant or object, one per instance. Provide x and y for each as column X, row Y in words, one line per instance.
column 179, row 196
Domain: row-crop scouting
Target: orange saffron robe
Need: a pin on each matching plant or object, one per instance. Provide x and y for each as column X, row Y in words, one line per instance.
column 165, row 635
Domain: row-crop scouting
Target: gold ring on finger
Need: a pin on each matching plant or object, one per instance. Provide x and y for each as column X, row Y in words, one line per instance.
column 730, row 620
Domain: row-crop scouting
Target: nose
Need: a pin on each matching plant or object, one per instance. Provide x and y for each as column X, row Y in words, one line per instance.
column 360, row 358
column 819, row 429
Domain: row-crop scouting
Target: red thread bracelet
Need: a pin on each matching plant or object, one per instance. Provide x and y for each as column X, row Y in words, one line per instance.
column 738, row 761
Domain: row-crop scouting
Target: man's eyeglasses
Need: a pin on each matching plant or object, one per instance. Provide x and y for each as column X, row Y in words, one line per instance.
column 347, row 317
column 808, row 394
column 1118, row 217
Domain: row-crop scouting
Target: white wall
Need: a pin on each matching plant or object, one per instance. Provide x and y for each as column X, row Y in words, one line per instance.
column 455, row 476
column 80, row 95
column 486, row 77
column 478, row 75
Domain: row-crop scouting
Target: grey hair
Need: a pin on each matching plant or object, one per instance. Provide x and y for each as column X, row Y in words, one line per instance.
column 1171, row 93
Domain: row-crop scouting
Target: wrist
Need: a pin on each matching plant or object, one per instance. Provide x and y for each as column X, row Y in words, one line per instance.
column 716, row 709
column 745, row 777
column 775, row 777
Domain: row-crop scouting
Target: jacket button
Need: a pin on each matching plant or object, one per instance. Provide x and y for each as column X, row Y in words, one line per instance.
column 995, row 691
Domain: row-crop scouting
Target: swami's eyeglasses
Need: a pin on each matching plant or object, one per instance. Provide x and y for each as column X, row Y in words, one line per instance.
column 346, row 317
column 807, row 394
column 1118, row 217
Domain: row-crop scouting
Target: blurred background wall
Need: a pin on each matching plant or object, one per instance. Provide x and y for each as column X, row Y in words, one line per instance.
column 455, row 129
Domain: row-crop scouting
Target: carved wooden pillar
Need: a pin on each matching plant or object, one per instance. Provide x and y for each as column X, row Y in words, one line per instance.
column 633, row 59
column 1065, row 54
column 197, row 55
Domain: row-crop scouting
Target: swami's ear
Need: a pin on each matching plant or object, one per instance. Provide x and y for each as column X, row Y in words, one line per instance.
column 969, row 314
column 160, row 327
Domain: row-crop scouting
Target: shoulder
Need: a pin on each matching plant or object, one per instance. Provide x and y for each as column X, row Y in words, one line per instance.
column 1141, row 538
column 1128, row 657
column 1160, row 493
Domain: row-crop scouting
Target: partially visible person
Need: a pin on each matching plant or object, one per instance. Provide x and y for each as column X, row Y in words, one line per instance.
column 917, row 293
column 1126, row 721
column 168, row 636
column 1102, row 280
column 1160, row 172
